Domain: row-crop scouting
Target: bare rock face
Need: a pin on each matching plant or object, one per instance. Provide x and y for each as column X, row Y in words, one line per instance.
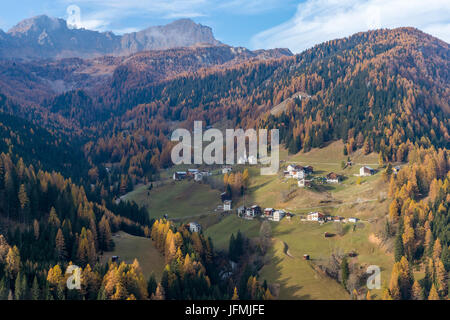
column 181, row 33
column 43, row 37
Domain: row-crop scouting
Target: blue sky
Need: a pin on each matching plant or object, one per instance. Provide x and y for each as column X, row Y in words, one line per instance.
column 295, row 24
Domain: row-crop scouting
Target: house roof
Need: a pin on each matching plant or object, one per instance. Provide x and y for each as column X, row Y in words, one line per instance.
column 332, row 175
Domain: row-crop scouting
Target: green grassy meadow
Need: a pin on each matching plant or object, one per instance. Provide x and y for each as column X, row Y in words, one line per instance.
column 294, row 277
column 129, row 247
column 178, row 199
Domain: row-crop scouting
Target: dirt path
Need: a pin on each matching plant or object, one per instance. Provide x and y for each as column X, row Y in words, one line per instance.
column 286, row 250
column 334, row 163
column 335, row 205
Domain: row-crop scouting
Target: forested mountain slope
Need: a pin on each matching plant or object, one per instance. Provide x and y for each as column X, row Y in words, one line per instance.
column 386, row 91
column 383, row 90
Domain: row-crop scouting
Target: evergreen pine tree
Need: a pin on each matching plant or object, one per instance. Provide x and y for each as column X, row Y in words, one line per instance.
column 345, row 271
column 35, row 291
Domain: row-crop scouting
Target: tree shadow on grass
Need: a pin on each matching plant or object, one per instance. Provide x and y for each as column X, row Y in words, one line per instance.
column 283, row 290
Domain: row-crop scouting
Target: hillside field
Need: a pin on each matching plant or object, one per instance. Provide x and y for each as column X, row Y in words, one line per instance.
column 180, row 199
column 129, row 247
column 294, row 277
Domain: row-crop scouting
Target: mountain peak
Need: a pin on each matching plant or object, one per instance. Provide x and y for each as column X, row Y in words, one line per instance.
column 43, row 37
column 38, row 24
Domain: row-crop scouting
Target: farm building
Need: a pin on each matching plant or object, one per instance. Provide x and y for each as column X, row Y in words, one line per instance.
column 308, row 170
column 333, row 178
column 194, row 227
column 353, row 220
column 227, row 205
column 179, row 175
column 366, row 171
column 315, row 216
column 241, row 211
column 192, row 172
column 256, row 210
column 304, row 183
column 249, row 213
column 225, row 196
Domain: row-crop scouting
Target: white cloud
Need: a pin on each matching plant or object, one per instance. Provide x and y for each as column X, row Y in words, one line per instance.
column 317, row 21
column 99, row 14
column 250, row 6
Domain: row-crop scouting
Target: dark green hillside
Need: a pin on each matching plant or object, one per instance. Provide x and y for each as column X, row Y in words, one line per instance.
column 21, row 139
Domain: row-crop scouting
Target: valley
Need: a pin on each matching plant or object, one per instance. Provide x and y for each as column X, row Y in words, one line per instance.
column 87, row 178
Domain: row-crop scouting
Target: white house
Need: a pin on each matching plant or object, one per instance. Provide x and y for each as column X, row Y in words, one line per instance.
column 315, row 216
column 278, row 215
column 366, row 171
column 198, row 176
column 297, row 171
column 226, row 170
column 294, row 167
column 268, row 212
column 227, row 205
column 249, row 213
column 299, row 174
column 353, row 220
column 194, row 227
